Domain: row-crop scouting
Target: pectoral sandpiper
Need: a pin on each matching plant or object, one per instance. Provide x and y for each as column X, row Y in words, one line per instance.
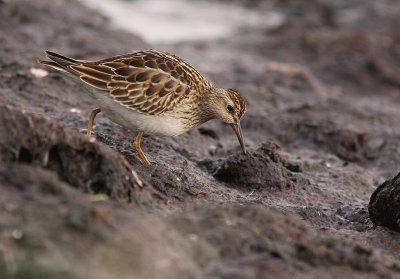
column 152, row 92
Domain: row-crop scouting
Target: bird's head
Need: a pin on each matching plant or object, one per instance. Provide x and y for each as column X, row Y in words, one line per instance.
column 227, row 105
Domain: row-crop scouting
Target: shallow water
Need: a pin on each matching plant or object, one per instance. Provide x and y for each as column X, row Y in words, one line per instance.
column 160, row 21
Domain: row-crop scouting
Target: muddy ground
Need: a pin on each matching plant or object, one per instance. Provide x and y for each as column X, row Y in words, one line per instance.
column 322, row 130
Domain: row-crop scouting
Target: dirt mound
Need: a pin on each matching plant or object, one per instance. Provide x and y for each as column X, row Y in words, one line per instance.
column 260, row 169
column 78, row 160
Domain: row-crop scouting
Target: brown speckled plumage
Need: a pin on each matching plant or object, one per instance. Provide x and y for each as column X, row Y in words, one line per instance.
column 151, row 82
column 153, row 85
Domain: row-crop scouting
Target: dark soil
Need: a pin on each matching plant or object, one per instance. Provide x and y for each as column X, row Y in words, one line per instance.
column 323, row 92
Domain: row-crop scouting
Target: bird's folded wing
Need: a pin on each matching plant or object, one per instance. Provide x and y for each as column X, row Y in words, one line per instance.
column 150, row 82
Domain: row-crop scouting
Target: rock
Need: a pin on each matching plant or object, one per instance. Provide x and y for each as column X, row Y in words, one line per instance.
column 384, row 205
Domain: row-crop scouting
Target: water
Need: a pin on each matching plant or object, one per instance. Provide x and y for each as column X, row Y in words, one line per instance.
column 162, row 21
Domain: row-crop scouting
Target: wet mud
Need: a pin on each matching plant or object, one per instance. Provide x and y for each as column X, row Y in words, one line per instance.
column 321, row 131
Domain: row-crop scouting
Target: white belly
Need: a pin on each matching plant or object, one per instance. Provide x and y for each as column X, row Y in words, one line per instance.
column 136, row 121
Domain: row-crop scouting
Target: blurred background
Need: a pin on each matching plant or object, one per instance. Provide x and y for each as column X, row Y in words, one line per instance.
column 322, row 84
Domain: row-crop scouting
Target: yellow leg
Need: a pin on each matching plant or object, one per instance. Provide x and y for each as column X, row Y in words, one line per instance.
column 92, row 116
column 136, row 145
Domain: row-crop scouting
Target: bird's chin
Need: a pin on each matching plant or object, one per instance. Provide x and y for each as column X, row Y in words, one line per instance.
column 238, row 131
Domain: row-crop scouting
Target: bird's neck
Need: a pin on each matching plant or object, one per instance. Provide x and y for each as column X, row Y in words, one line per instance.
column 204, row 111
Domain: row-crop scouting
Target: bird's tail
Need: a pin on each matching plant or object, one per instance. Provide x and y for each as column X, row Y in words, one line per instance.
column 59, row 62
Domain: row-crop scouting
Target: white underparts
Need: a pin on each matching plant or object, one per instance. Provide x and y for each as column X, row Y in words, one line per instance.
column 136, row 121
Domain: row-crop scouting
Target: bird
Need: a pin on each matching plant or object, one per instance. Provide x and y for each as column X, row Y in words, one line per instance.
column 152, row 92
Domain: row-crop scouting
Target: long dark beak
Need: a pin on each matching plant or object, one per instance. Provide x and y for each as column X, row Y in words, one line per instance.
column 238, row 131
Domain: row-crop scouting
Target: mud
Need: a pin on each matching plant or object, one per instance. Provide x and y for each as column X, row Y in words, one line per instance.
column 258, row 170
column 78, row 160
column 321, row 130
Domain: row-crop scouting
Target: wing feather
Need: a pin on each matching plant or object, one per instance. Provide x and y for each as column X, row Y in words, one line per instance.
column 102, row 85
column 88, row 71
column 151, row 82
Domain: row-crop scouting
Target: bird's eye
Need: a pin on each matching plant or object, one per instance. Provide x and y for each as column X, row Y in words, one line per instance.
column 230, row 109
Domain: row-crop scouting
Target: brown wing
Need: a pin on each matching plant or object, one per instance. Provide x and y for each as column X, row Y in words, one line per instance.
column 151, row 82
